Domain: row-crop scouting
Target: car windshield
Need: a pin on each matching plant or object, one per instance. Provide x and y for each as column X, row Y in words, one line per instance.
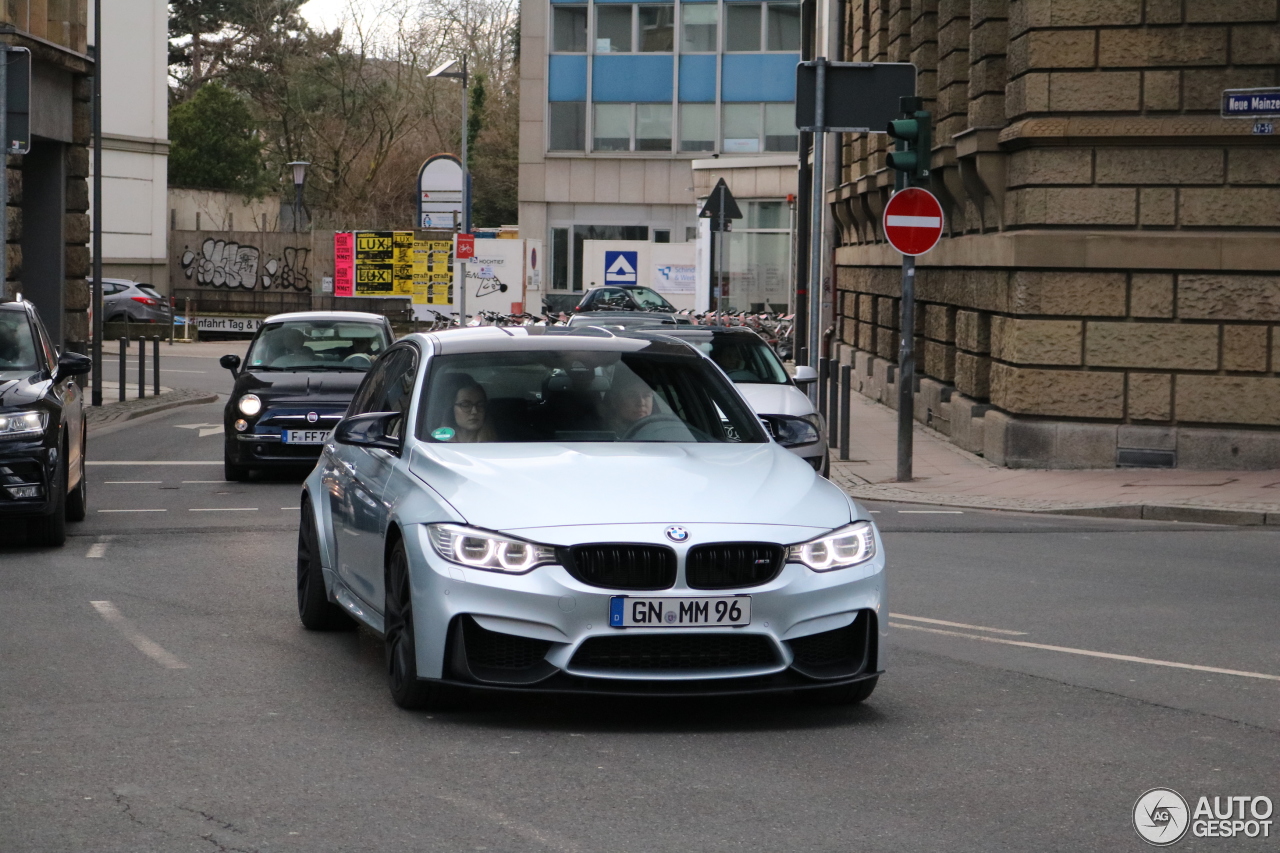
column 317, row 345
column 566, row 395
column 650, row 299
column 17, row 349
column 745, row 358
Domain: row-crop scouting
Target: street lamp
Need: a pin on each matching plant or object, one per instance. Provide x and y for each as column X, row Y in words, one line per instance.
column 446, row 70
column 299, row 178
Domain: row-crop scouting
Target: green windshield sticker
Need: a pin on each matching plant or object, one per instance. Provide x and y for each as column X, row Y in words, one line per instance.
column 442, row 434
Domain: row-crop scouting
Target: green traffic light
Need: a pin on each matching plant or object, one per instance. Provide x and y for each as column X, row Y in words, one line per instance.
column 915, row 159
column 904, row 128
column 903, row 161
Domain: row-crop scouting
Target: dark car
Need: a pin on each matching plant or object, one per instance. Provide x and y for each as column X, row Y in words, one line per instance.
column 296, row 381
column 623, row 298
column 42, row 428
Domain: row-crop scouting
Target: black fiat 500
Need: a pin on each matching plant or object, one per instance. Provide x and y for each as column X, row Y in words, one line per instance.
column 42, row 428
column 294, row 385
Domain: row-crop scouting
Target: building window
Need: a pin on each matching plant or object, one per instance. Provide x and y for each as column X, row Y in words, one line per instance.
column 567, row 125
column 614, row 124
column 742, row 27
column 783, row 27
column 759, row 259
column 613, row 29
column 752, row 128
column 697, row 127
column 698, row 28
column 661, row 235
column 559, row 258
column 657, row 26
column 569, row 29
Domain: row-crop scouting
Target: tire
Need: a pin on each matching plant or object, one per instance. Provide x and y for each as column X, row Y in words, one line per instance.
column 51, row 529
column 233, row 472
column 315, row 609
column 826, row 465
column 407, row 690
column 845, row 694
column 78, row 501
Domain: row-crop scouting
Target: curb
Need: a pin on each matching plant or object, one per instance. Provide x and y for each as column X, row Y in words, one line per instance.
column 1146, row 512
column 114, row 413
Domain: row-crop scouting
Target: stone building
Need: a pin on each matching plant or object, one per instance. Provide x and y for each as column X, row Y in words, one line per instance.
column 1106, row 291
column 48, row 199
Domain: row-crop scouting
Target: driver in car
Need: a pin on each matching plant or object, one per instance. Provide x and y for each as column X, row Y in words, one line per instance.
column 629, row 401
column 290, row 348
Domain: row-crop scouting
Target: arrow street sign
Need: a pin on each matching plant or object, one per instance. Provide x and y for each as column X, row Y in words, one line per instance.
column 720, row 207
column 913, row 221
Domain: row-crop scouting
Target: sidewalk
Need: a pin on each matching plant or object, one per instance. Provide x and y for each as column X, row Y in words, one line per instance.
column 113, row 411
column 946, row 475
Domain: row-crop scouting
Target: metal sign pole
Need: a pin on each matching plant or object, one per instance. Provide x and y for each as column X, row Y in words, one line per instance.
column 815, row 227
column 466, row 200
column 96, row 293
column 907, row 368
column 4, row 154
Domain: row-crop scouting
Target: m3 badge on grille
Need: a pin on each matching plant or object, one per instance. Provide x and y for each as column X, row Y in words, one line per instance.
column 677, row 534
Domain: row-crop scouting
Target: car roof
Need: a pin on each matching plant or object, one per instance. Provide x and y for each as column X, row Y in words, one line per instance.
column 349, row 316
column 14, row 305
column 700, row 332
column 549, row 338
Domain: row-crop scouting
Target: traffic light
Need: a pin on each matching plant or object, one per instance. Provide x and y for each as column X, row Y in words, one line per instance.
column 916, row 131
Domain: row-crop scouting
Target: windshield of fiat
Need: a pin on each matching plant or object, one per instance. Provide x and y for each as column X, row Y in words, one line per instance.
column 317, row 345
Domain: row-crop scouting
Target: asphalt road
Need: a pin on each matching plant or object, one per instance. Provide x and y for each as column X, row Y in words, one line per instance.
column 158, row 694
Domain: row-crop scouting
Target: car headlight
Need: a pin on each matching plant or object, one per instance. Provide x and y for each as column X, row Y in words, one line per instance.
column 480, row 549
column 839, row 549
column 790, row 431
column 250, row 404
column 14, row 424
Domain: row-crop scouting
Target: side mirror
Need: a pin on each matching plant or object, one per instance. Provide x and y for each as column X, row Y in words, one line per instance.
column 379, row 429
column 230, row 362
column 73, row 364
column 805, row 374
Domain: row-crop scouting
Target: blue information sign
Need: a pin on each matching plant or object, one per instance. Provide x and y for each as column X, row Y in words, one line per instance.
column 1251, row 103
column 620, row 267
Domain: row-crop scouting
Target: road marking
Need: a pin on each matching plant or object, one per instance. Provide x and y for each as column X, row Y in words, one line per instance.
column 188, row 482
column 141, row 642
column 931, row 511
column 132, row 482
column 956, row 624
column 205, row 429
column 1089, row 653
column 133, row 510
column 226, row 509
column 152, row 462
column 291, row 507
column 98, row 549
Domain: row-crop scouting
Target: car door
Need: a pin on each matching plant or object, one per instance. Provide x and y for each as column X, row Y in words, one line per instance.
column 71, row 397
column 364, row 475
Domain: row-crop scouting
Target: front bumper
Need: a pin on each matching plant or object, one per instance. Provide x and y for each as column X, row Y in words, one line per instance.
column 24, row 464
column 262, row 444
column 549, row 631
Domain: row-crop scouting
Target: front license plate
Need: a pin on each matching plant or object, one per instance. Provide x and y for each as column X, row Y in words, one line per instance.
column 305, row 436
column 628, row 612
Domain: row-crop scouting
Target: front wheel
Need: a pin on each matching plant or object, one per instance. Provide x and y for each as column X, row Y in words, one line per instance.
column 51, row 529
column 315, row 609
column 78, row 501
column 407, row 690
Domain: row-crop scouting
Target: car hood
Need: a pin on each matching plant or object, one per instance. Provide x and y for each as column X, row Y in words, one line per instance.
column 521, row 486
column 300, row 385
column 775, row 399
column 20, row 388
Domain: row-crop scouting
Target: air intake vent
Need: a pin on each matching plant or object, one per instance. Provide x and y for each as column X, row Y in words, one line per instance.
column 623, row 566
column 731, row 565
column 686, row 651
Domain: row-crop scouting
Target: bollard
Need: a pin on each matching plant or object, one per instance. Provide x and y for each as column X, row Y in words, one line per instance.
column 833, row 405
column 142, row 367
column 824, row 365
column 124, row 346
column 846, row 416
column 155, row 366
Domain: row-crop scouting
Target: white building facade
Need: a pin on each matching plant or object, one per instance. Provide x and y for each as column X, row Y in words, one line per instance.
column 630, row 113
column 135, row 131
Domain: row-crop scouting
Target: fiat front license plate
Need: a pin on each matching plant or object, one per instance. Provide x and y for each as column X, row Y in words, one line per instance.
column 305, row 436
column 704, row 612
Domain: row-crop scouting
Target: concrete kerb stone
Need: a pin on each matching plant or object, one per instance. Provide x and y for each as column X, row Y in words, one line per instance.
column 128, row 410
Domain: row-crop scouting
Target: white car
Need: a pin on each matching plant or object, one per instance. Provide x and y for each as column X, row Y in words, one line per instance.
column 547, row 509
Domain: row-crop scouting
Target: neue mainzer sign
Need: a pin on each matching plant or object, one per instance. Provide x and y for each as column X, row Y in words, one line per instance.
column 1251, row 103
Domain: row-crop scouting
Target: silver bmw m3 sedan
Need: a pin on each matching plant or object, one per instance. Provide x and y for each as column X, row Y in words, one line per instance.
column 579, row 511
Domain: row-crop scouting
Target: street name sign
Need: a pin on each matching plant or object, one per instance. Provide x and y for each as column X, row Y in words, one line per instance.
column 1251, row 103
column 913, row 221
column 859, row 97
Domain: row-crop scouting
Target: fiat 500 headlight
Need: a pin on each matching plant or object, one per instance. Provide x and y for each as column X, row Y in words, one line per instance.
column 480, row 549
column 839, row 549
column 14, row 424
column 250, row 404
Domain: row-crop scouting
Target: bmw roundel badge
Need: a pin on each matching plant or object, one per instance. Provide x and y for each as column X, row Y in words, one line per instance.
column 677, row 534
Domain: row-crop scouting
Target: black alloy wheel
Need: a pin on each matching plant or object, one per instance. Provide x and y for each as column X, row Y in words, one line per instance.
column 315, row 609
column 78, row 501
column 407, row 690
column 51, row 529
column 844, row 694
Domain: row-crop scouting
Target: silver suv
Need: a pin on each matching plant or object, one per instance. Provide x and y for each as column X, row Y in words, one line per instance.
column 138, row 303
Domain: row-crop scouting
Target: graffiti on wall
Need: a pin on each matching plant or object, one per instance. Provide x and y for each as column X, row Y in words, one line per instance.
column 222, row 263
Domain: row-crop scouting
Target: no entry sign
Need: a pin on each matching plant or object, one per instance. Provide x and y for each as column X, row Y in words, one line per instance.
column 913, row 221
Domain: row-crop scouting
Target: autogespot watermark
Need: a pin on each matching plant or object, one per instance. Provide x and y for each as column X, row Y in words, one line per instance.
column 1163, row 817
